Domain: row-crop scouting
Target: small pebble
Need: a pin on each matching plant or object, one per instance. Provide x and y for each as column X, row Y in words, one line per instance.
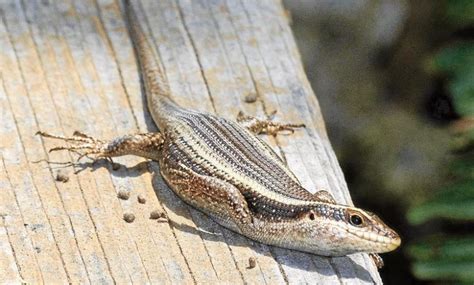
column 124, row 195
column 141, row 199
column 156, row 214
column 250, row 98
column 62, row 177
column 129, row 217
column 252, row 262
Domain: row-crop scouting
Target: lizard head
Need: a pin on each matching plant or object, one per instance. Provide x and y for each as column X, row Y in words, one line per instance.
column 331, row 229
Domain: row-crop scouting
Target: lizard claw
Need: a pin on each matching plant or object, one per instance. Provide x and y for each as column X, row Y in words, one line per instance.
column 377, row 259
column 80, row 142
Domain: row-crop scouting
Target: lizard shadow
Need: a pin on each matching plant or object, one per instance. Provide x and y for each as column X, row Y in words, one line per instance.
column 116, row 169
column 341, row 267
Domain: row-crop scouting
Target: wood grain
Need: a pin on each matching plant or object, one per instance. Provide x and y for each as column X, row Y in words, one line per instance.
column 68, row 65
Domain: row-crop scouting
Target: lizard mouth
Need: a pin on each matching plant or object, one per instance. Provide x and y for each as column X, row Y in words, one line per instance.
column 388, row 243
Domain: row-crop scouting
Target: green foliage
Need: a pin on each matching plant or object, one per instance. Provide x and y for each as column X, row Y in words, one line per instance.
column 460, row 12
column 445, row 270
column 455, row 60
column 463, row 168
column 458, row 63
column 453, row 202
column 447, row 249
column 444, row 256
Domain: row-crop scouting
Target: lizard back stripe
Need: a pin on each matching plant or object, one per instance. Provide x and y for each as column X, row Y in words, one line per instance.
column 249, row 158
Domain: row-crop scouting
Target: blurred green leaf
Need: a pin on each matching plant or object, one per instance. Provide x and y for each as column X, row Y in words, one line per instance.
column 456, row 59
column 445, row 248
column 462, row 90
column 460, row 12
column 442, row 257
column 454, row 202
column 444, row 270
column 463, row 167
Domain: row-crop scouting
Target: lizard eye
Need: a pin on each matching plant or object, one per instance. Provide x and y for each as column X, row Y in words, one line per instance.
column 356, row 220
column 312, row 216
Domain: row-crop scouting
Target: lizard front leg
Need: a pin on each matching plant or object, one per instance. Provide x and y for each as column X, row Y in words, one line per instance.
column 267, row 126
column 146, row 145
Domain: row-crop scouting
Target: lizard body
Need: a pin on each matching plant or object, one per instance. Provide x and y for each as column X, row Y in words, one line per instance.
column 223, row 169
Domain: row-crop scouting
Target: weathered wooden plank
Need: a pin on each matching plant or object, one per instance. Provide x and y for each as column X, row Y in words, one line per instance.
column 90, row 104
column 13, row 222
column 56, row 61
column 9, row 266
column 69, row 65
column 20, row 143
column 72, row 198
column 8, row 269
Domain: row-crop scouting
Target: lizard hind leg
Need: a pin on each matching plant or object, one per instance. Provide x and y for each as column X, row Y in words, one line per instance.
column 265, row 126
column 146, row 145
column 216, row 197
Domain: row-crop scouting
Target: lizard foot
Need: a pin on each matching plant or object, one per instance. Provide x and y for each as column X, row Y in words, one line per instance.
column 146, row 145
column 377, row 259
column 82, row 144
column 266, row 126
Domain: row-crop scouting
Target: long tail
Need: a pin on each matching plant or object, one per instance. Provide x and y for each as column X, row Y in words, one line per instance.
column 157, row 88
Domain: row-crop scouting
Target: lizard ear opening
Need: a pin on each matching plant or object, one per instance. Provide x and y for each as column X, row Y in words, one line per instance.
column 307, row 215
